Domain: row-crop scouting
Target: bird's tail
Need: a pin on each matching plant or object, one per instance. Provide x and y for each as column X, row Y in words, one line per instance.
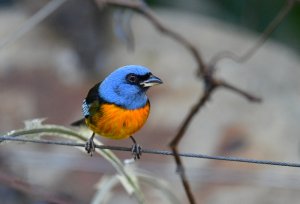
column 79, row 122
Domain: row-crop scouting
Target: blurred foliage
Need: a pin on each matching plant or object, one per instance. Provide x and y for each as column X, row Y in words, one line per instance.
column 254, row 15
column 126, row 175
column 6, row 2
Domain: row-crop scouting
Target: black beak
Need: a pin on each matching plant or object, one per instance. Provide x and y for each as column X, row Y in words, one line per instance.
column 151, row 81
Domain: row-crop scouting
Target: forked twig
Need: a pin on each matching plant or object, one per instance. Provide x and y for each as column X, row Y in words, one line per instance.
column 142, row 8
column 205, row 70
column 284, row 11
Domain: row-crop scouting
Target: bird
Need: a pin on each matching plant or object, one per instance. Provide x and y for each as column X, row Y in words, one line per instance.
column 118, row 106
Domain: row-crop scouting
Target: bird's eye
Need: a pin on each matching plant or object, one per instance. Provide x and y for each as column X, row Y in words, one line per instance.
column 132, row 78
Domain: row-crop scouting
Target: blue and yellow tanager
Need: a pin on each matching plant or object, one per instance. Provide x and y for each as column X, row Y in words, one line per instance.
column 118, row 106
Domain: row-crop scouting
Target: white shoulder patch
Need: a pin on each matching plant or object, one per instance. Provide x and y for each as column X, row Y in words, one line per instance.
column 85, row 108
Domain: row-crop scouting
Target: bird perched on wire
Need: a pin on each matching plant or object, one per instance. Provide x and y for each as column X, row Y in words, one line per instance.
column 118, row 106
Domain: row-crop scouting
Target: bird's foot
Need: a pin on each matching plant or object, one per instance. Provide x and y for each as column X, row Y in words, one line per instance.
column 90, row 146
column 136, row 151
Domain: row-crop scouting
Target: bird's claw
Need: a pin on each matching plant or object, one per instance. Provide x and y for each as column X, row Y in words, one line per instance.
column 136, row 151
column 90, row 146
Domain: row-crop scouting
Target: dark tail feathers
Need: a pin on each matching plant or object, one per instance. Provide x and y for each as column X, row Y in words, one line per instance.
column 79, row 122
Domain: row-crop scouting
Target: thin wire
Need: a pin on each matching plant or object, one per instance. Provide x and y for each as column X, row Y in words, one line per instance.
column 32, row 22
column 154, row 151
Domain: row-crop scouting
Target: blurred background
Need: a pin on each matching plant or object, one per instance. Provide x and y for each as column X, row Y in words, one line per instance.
column 47, row 72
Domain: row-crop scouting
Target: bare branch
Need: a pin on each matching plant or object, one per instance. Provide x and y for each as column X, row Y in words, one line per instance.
column 259, row 43
column 205, row 70
column 248, row 96
column 193, row 111
column 206, row 74
column 144, row 10
column 174, row 143
column 181, row 171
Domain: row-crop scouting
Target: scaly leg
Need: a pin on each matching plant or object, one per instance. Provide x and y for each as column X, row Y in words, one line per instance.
column 136, row 149
column 90, row 145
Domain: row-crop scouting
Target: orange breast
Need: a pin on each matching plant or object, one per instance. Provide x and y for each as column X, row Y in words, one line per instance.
column 117, row 123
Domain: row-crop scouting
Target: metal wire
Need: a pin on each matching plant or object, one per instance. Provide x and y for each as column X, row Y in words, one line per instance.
column 155, row 151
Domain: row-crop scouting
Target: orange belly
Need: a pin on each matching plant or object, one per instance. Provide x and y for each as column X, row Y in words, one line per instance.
column 115, row 122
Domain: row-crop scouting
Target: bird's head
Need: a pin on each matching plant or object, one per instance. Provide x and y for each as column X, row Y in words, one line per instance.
column 127, row 86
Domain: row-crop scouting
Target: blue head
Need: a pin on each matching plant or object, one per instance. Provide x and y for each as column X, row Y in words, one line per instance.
column 127, row 86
